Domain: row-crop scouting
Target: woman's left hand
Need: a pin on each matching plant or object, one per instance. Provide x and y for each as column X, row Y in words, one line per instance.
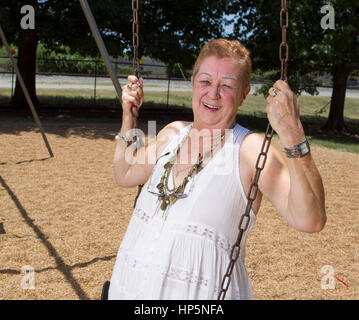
column 283, row 114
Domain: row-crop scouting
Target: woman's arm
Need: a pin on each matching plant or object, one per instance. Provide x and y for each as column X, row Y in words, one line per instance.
column 293, row 185
column 122, row 158
column 295, row 188
column 132, row 166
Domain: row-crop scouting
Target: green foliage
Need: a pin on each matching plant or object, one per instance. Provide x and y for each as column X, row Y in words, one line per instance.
column 171, row 31
column 59, row 23
column 64, row 61
column 310, row 47
column 5, row 64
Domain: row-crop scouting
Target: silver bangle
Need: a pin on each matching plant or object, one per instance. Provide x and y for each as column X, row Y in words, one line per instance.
column 118, row 136
column 134, row 140
column 299, row 150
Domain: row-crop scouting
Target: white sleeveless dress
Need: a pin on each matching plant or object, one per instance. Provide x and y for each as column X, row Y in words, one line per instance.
column 186, row 255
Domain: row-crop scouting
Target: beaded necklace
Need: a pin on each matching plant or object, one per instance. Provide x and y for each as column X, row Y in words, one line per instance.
column 169, row 196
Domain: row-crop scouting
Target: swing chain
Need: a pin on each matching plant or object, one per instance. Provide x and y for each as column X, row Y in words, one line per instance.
column 283, row 47
column 135, row 44
column 251, row 196
column 261, row 160
column 135, row 63
column 135, row 38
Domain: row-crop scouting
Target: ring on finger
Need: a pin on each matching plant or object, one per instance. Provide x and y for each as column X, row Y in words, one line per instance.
column 274, row 92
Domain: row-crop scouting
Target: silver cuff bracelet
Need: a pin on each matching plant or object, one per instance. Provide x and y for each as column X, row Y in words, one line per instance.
column 134, row 140
column 299, row 150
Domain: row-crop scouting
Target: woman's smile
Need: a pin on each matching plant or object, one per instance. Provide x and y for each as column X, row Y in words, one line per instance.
column 211, row 107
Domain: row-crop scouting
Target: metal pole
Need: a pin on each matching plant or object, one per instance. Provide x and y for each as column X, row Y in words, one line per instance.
column 168, row 89
column 101, row 46
column 12, row 80
column 95, row 81
column 24, row 89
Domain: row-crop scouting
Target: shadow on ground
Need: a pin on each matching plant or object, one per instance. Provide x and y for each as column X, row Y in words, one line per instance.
column 61, row 266
column 104, row 122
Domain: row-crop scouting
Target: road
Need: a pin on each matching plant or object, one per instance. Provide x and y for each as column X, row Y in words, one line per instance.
column 74, row 82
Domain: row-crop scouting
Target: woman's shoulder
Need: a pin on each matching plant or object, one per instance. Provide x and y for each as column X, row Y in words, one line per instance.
column 173, row 128
column 177, row 125
column 251, row 144
column 251, row 147
column 169, row 131
column 249, row 150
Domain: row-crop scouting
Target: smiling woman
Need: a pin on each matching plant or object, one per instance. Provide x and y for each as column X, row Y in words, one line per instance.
column 185, row 222
column 220, row 81
column 217, row 92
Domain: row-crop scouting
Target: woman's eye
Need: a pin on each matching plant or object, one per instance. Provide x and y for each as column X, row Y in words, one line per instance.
column 205, row 82
column 226, row 86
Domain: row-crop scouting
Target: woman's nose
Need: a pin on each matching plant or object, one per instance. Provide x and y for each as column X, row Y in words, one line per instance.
column 214, row 92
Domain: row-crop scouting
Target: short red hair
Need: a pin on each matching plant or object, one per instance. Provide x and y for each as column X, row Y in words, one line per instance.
column 223, row 48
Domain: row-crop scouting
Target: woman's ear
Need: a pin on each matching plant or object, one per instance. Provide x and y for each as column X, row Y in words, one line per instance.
column 244, row 95
column 246, row 92
column 192, row 81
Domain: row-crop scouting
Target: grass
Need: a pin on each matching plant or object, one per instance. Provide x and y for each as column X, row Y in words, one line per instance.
column 314, row 111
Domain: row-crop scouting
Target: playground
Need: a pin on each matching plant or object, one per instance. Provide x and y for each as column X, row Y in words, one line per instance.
column 65, row 217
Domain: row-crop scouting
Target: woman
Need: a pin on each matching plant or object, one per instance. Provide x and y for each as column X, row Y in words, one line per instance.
column 178, row 242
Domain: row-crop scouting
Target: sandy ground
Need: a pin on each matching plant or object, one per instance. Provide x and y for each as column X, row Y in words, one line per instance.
column 64, row 217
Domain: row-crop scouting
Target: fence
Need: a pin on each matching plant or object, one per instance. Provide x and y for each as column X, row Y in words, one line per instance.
column 65, row 81
column 83, row 82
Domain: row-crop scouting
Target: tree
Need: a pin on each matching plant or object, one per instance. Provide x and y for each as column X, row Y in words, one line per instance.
column 171, row 31
column 312, row 49
column 58, row 23
column 27, row 44
column 174, row 31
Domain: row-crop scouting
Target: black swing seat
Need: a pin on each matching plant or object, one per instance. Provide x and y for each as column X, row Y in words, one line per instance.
column 105, row 288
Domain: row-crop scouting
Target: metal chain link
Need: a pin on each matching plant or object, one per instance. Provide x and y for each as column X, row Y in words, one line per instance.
column 283, row 47
column 135, row 37
column 261, row 160
column 135, row 62
column 135, row 44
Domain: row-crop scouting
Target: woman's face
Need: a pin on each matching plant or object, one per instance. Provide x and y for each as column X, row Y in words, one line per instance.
column 217, row 93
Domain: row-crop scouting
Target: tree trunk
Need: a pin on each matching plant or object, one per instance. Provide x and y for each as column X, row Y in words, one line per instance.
column 335, row 120
column 27, row 66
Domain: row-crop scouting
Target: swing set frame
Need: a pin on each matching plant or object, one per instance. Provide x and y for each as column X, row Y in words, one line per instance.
column 25, row 91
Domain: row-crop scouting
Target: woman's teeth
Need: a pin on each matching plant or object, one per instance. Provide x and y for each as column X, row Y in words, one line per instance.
column 211, row 107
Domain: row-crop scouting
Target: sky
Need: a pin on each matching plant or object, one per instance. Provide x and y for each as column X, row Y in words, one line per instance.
column 229, row 29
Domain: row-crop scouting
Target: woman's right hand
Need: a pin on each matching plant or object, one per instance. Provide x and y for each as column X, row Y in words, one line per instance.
column 132, row 97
